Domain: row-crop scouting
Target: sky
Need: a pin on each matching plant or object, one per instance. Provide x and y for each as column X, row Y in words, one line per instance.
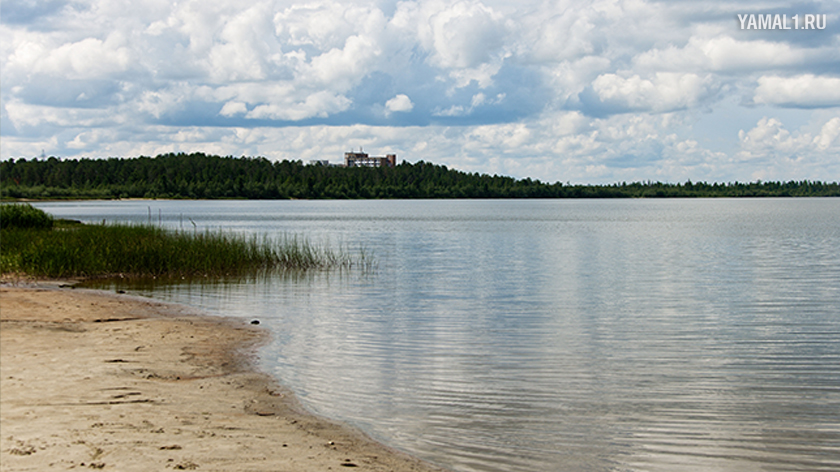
column 570, row 91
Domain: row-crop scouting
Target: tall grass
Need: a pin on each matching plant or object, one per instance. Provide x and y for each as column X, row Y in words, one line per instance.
column 144, row 250
column 23, row 215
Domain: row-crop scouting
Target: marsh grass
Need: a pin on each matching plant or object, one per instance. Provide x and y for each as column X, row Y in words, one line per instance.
column 24, row 215
column 132, row 250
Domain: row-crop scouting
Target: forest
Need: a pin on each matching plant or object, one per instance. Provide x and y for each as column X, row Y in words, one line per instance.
column 201, row 176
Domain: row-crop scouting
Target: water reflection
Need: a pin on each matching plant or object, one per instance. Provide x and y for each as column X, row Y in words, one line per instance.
column 519, row 336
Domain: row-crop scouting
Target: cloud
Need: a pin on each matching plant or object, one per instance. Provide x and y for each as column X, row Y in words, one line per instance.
column 664, row 92
column 346, row 66
column 780, row 152
column 89, row 58
column 802, row 91
column 564, row 90
column 320, row 104
column 769, row 136
column 564, row 35
column 400, row 103
column 829, row 137
column 232, row 108
column 463, row 35
column 245, row 47
column 478, row 100
column 723, row 53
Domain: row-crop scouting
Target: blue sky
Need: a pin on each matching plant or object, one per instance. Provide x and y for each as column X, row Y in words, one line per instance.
column 570, row 91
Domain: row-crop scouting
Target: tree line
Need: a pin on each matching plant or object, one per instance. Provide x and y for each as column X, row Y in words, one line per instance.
column 201, row 176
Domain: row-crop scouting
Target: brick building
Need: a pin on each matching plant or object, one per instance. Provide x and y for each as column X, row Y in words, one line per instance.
column 362, row 159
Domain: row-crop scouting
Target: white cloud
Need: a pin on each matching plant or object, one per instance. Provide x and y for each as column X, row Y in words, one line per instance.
column 88, row 58
column 721, row 53
column 666, row 91
column 568, row 123
column 805, row 91
column 481, row 75
column 454, row 110
column 565, row 35
column 568, row 90
column 463, row 35
column 326, row 25
column 782, row 154
column 245, row 47
column 569, row 78
column 29, row 116
column 725, row 53
column 477, row 100
column 319, row 104
column 829, row 137
column 400, row 103
column 346, row 66
column 158, row 103
column 232, row 108
column 467, row 41
column 769, row 135
column 510, row 137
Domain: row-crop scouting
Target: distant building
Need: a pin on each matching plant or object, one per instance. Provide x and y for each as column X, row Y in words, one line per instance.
column 362, row 159
column 359, row 159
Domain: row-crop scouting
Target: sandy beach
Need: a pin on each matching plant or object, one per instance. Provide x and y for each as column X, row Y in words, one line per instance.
column 92, row 380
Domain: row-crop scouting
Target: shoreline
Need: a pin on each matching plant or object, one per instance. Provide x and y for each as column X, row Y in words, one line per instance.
column 91, row 379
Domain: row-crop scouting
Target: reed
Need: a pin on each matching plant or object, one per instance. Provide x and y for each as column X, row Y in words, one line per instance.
column 133, row 250
column 23, row 215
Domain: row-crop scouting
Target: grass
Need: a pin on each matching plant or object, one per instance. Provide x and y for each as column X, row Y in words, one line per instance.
column 24, row 215
column 132, row 250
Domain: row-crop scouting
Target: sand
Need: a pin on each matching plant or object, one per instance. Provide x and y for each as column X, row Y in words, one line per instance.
column 91, row 380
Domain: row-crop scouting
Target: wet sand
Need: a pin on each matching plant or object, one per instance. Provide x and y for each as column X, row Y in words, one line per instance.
column 91, row 380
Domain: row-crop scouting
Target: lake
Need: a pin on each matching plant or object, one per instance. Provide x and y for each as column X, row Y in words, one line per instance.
column 537, row 335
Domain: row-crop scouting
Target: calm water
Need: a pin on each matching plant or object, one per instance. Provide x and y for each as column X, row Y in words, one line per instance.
column 552, row 335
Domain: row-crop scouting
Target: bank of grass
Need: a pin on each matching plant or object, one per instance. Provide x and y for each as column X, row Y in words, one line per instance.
column 24, row 215
column 132, row 250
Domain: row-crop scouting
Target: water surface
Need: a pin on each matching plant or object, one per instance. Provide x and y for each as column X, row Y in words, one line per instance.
column 525, row 335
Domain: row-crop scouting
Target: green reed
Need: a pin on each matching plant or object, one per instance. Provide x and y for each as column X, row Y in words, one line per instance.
column 24, row 215
column 134, row 250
